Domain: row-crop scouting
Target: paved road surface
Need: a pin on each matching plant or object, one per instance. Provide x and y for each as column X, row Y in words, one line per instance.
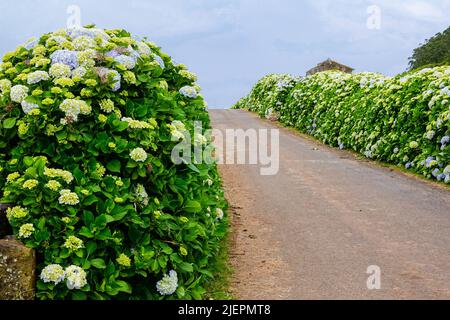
column 312, row 230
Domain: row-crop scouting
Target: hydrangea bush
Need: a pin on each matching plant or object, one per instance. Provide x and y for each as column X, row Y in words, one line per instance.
column 88, row 121
column 404, row 120
column 268, row 95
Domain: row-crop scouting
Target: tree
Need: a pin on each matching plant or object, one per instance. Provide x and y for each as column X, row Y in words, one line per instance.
column 435, row 51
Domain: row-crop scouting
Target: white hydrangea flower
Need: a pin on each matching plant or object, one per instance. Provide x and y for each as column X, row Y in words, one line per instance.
column 75, row 277
column 73, row 243
column 19, row 93
column 37, row 76
column 68, row 198
column 136, row 124
column 86, row 58
column 188, row 75
column 200, row 139
column 107, row 105
column 27, row 107
column 58, row 173
column 177, row 130
column 138, row 155
column 168, row 284
column 430, row 134
column 60, row 70
column 219, row 214
column 73, row 108
column 83, row 43
column 79, row 72
column 5, row 85
column 413, row 145
column 52, row 273
column 26, row 230
column 55, row 38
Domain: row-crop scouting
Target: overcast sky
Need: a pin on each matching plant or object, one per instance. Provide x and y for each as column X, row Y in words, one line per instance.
column 230, row 44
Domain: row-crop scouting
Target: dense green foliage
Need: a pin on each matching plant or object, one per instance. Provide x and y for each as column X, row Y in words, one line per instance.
column 88, row 121
column 403, row 120
column 435, row 51
column 268, row 94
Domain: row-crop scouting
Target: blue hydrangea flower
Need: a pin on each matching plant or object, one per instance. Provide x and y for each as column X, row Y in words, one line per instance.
column 408, row 165
column 143, row 49
column 107, row 73
column 159, row 60
column 429, row 160
column 128, row 62
column 112, row 54
column 57, row 39
column 440, row 177
column 436, row 173
column 77, row 32
column 189, row 92
column 368, row 154
column 445, row 140
column 31, row 44
column 66, row 57
column 133, row 53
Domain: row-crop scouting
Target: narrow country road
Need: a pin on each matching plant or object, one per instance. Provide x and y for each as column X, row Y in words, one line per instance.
column 312, row 230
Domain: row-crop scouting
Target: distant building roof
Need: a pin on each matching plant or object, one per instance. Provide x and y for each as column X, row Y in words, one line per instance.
column 329, row 65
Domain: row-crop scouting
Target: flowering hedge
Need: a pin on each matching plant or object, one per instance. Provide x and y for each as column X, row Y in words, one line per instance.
column 268, row 94
column 403, row 120
column 88, row 120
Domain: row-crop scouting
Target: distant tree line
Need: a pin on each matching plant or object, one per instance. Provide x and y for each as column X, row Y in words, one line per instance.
column 435, row 51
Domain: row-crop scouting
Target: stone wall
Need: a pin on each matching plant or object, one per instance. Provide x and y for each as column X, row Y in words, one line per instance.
column 17, row 265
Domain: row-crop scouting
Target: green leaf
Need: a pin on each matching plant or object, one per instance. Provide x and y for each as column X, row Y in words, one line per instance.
column 165, row 248
column 186, row 267
column 85, row 232
column 114, row 166
column 119, row 216
column 90, row 200
column 181, row 292
column 110, row 205
column 91, row 246
column 61, row 135
column 98, row 263
column 41, row 223
column 193, row 206
column 101, row 221
column 79, row 295
column 9, row 123
column 162, row 260
column 88, row 218
column 124, row 286
column 154, row 265
column 193, row 168
column 120, row 125
column 28, row 161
